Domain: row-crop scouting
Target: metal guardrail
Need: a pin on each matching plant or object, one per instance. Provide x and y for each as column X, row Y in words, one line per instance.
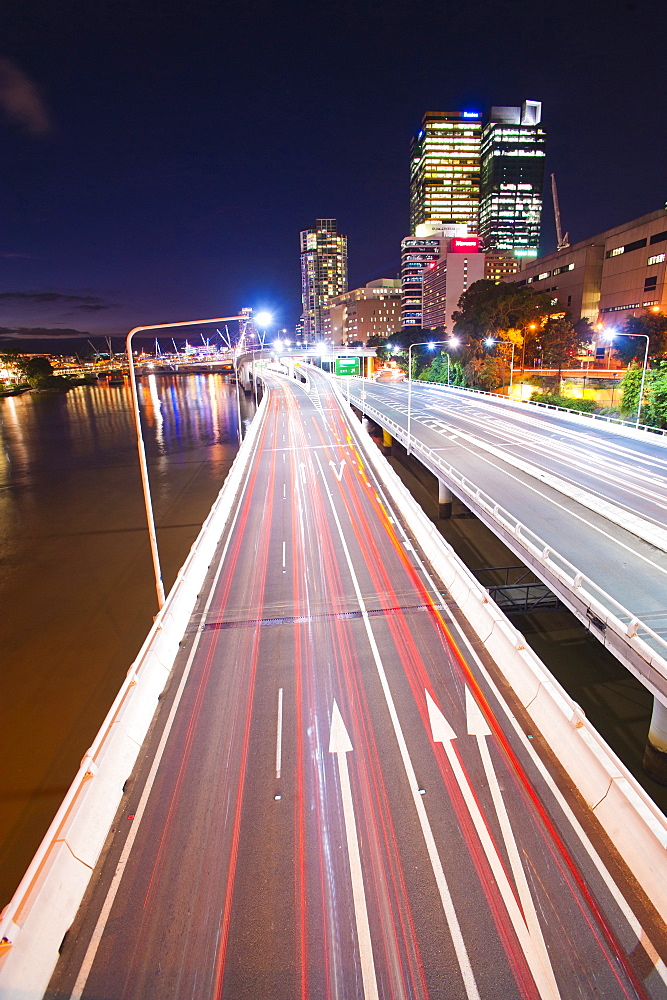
column 508, row 401
column 606, row 611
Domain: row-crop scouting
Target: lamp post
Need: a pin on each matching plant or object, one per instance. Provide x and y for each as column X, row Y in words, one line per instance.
column 452, row 342
column 238, row 392
column 491, row 342
column 609, row 338
column 143, row 465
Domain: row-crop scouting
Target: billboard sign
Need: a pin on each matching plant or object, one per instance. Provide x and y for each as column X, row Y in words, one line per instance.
column 465, row 244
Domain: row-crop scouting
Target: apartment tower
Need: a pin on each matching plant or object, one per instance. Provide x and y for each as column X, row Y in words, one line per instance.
column 323, row 273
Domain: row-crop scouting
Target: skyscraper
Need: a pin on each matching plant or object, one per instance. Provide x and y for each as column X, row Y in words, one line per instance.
column 512, row 180
column 444, row 169
column 323, row 273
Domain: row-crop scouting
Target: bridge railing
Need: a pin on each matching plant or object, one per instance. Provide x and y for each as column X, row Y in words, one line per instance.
column 605, row 611
column 619, row 423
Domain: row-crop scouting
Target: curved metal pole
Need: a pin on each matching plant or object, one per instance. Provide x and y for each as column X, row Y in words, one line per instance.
column 238, row 396
column 420, row 343
column 143, row 465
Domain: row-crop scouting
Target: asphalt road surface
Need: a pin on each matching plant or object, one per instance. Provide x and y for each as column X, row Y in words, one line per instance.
column 337, row 798
column 630, row 474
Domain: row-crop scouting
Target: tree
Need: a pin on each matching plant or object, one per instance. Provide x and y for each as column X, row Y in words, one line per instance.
column 490, row 374
column 37, row 371
column 489, row 309
column 395, row 348
column 438, row 370
column 630, row 385
column 560, row 341
column 656, row 414
column 651, row 325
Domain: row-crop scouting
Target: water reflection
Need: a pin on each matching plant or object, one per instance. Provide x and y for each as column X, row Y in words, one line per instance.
column 76, row 585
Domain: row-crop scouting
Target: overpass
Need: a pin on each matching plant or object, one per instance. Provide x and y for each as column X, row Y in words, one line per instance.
column 350, row 788
column 582, row 502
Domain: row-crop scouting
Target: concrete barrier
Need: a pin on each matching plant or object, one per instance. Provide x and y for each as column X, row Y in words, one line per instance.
column 43, row 907
column 628, row 816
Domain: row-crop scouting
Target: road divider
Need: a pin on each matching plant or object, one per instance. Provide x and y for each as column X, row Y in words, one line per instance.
column 34, row 922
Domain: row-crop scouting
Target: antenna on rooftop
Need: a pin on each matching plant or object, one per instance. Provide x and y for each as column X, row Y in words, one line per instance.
column 562, row 241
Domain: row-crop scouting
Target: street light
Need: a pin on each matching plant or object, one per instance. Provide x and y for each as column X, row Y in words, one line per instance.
column 431, row 344
column 263, row 319
column 609, row 337
column 143, row 465
column 491, row 342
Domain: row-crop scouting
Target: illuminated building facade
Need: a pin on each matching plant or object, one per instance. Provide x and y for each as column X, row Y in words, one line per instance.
column 606, row 278
column 323, row 273
column 418, row 253
column 446, row 280
column 512, row 179
column 445, row 169
column 498, row 266
column 361, row 313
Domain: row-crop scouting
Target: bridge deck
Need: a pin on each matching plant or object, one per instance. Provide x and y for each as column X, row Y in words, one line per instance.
column 336, row 799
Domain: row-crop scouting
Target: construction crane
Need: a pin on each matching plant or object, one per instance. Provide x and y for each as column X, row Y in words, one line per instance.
column 562, row 241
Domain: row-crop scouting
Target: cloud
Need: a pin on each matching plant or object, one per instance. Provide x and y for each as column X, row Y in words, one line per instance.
column 40, row 333
column 20, row 100
column 11, row 254
column 86, row 303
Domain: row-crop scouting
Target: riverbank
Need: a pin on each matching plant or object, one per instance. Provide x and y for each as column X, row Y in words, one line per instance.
column 76, row 582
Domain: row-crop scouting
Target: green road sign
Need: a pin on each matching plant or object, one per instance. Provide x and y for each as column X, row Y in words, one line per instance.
column 347, row 366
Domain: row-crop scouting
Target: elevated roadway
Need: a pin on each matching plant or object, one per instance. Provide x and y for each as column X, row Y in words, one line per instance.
column 581, row 502
column 338, row 797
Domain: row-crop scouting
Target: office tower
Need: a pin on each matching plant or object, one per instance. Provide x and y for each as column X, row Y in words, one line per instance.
column 512, row 180
column 445, row 169
column 323, row 273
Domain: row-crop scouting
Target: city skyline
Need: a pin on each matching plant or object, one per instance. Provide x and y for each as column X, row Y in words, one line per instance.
column 169, row 175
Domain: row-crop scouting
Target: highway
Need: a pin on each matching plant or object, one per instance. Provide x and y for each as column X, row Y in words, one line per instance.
column 338, row 798
column 597, row 497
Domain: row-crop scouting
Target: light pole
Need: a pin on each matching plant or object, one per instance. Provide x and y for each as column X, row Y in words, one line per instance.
column 143, row 465
column 609, row 337
column 452, row 342
column 238, row 392
column 491, row 342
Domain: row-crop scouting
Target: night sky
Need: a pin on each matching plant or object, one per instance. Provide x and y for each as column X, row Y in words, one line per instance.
column 158, row 160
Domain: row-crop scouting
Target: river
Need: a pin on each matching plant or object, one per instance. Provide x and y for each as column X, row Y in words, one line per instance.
column 77, row 595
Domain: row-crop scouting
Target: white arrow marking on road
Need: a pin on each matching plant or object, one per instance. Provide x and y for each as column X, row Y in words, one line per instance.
column 534, row 951
column 340, row 744
column 479, row 727
column 449, row 910
column 302, row 469
column 339, row 474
